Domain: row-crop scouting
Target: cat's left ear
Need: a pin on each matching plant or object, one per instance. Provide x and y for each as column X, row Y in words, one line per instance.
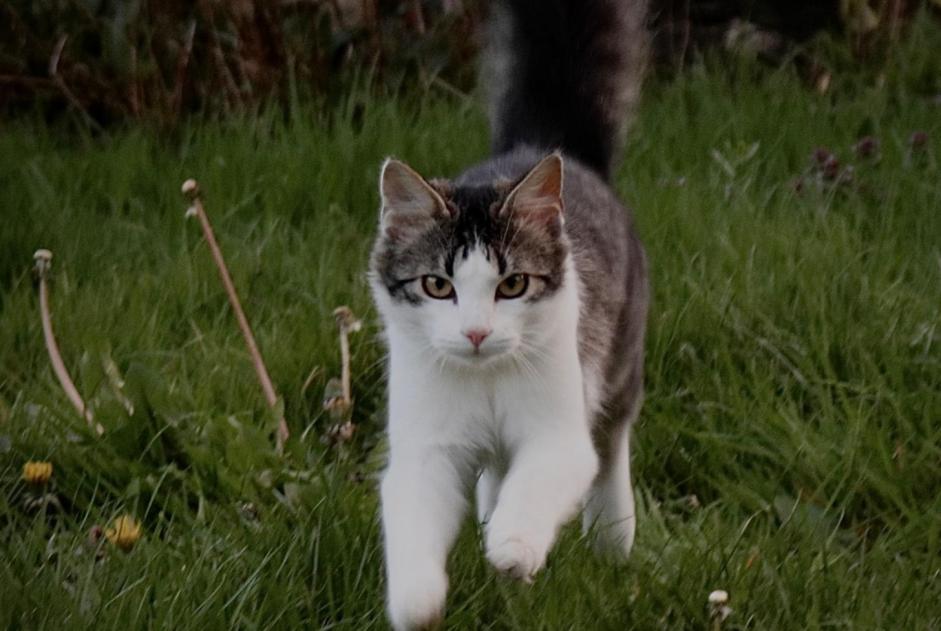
column 538, row 196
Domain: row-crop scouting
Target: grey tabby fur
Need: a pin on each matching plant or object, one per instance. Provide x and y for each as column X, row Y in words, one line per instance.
column 612, row 275
column 564, row 75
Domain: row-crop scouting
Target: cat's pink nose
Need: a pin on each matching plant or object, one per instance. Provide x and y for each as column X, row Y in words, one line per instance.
column 477, row 336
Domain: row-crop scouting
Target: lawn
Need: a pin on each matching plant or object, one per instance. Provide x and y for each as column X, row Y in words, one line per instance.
column 789, row 450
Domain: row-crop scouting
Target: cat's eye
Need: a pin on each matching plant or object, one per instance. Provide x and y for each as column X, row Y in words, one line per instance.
column 437, row 287
column 513, row 286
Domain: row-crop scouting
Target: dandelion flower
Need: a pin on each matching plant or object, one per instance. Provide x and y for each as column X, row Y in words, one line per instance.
column 37, row 473
column 124, row 533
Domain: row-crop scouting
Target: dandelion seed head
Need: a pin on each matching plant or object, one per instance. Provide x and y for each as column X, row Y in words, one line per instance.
column 190, row 187
column 43, row 260
column 718, row 597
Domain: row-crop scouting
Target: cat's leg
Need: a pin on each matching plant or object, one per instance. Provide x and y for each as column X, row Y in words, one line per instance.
column 427, row 485
column 609, row 513
column 423, row 503
column 551, row 468
column 609, row 510
column 542, row 490
column 488, row 488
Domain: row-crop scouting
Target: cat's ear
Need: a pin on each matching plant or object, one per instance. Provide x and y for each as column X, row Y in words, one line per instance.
column 408, row 201
column 538, row 196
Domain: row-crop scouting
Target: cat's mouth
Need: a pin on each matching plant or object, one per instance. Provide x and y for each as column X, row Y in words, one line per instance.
column 480, row 356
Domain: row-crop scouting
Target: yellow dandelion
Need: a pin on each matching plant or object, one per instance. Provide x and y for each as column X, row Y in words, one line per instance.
column 37, row 473
column 124, row 533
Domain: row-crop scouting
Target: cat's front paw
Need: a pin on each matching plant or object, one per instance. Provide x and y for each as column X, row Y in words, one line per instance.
column 416, row 600
column 516, row 558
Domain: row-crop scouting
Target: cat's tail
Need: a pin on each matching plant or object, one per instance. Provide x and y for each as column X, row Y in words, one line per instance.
column 565, row 74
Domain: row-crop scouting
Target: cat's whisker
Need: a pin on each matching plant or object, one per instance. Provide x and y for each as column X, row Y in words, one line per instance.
column 537, row 352
column 523, row 365
column 533, row 372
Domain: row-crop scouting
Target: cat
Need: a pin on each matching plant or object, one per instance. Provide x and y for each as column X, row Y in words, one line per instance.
column 514, row 300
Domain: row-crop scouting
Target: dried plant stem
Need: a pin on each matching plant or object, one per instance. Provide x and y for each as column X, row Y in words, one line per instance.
column 345, row 366
column 338, row 398
column 191, row 189
column 347, row 323
column 43, row 260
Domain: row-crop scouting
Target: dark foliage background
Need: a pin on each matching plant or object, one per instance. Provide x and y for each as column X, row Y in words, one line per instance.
column 156, row 60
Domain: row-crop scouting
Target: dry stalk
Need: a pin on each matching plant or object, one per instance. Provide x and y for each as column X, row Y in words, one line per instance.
column 191, row 191
column 43, row 260
column 347, row 323
column 338, row 399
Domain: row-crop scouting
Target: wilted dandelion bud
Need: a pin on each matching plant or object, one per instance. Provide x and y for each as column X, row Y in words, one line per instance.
column 125, row 532
column 94, row 535
column 866, row 147
column 918, row 140
column 37, row 473
column 821, row 155
column 190, row 188
column 831, row 168
column 718, row 606
column 43, row 260
column 346, row 320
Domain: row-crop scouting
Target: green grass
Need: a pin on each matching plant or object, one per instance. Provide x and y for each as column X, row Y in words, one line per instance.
column 789, row 450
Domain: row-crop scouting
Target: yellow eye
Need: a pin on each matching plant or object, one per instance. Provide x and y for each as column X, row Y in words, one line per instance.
column 437, row 287
column 513, row 286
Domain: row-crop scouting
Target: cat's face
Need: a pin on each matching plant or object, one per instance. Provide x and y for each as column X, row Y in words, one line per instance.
column 469, row 274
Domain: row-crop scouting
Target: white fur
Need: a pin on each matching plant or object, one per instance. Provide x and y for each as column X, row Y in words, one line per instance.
column 515, row 412
column 609, row 509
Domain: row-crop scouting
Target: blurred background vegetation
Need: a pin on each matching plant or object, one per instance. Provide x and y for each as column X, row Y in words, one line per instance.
column 112, row 61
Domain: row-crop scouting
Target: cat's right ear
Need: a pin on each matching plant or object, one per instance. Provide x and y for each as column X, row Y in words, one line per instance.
column 408, row 201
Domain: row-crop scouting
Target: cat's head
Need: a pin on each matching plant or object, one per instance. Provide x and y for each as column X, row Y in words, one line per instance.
column 470, row 274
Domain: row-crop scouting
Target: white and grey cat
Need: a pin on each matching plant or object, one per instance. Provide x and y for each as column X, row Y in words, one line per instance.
column 514, row 299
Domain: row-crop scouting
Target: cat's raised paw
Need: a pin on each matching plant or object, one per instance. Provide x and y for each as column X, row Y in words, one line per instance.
column 515, row 558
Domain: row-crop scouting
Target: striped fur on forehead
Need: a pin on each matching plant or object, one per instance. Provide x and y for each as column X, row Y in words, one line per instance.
column 474, row 222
